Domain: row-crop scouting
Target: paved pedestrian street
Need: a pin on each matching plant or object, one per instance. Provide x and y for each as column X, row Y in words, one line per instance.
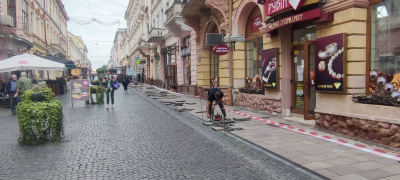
column 139, row 139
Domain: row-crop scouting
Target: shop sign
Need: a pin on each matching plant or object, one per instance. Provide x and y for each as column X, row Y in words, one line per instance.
column 79, row 90
column 275, row 6
column 221, row 49
column 269, row 68
column 294, row 19
column 330, row 63
column 255, row 23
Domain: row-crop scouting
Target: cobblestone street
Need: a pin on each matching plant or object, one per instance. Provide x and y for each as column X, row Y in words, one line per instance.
column 139, row 139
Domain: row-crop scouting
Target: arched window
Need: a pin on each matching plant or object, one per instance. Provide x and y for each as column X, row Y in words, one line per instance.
column 254, row 46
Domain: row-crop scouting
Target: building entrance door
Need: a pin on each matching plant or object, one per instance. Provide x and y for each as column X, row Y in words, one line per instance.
column 171, row 76
column 303, row 89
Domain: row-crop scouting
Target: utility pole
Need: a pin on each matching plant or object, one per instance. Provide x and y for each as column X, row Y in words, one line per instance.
column 230, row 89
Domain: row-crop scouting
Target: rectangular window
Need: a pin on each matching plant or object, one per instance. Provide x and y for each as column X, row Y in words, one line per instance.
column 214, row 64
column 253, row 57
column 25, row 15
column 385, row 43
column 11, row 10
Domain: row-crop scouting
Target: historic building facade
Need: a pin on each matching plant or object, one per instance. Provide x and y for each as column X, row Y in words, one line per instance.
column 77, row 51
column 48, row 20
column 311, row 59
column 118, row 54
column 15, row 30
column 137, row 48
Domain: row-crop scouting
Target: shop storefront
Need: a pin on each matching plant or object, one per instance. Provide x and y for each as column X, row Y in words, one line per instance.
column 211, row 70
column 336, row 63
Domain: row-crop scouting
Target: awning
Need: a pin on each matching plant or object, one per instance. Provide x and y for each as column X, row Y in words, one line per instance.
column 25, row 62
column 68, row 64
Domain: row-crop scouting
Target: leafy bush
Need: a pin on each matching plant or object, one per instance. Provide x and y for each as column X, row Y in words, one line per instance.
column 99, row 94
column 40, row 121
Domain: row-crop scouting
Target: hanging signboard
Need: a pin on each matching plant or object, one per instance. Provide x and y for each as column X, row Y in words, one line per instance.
column 79, row 90
column 255, row 23
column 275, row 6
column 269, row 68
column 221, row 49
column 330, row 63
column 294, row 19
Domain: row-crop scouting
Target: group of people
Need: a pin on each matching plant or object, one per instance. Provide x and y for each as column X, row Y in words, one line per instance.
column 15, row 88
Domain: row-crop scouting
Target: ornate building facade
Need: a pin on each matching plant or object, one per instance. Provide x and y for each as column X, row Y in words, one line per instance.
column 48, row 20
column 77, row 51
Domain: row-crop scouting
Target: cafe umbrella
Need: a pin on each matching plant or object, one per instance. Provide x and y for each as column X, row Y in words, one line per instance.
column 26, row 62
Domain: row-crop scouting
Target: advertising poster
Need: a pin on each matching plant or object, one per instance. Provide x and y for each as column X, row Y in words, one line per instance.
column 269, row 68
column 79, row 90
column 330, row 63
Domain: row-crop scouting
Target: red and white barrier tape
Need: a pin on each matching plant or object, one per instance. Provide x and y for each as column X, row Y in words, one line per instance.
column 380, row 152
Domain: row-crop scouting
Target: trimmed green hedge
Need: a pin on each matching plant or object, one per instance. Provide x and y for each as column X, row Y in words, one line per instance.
column 41, row 121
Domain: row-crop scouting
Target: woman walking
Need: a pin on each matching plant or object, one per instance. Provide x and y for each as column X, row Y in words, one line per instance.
column 125, row 82
column 109, row 81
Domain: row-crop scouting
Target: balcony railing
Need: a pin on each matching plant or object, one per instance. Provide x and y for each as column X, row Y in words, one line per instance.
column 155, row 35
column 175, row 9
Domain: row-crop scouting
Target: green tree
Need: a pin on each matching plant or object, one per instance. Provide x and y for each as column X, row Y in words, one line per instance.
column 101, row 70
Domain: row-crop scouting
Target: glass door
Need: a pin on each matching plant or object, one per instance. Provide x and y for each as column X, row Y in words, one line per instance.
column 309, row 83
column 298, row 80
column 171, row 76
column 303, row 101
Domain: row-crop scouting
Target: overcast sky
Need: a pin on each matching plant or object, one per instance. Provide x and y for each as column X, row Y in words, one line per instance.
column 103, row 10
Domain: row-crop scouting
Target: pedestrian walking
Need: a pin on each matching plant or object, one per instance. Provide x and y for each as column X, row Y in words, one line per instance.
column 138, row 77
column 23, row 84
column 125, row 83
column 11, row 90
column 109, row 80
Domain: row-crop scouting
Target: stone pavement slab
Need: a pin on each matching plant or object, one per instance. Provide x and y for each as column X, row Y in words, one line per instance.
column 335, row 160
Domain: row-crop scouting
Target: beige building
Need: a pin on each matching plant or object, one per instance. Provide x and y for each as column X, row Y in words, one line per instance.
column 48, row 20
column 118, row 54
column 77, row 51
column 35, row 26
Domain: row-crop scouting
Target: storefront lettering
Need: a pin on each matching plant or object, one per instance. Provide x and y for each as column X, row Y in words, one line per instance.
column 276, row 6
column 221, row 50
column 294, row 19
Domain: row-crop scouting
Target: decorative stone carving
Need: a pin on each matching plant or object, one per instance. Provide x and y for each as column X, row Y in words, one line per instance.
column 340, row 5
column 192, row 22
column 221, row 5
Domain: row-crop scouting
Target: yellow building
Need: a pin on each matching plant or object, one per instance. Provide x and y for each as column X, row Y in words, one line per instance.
column 310, row 60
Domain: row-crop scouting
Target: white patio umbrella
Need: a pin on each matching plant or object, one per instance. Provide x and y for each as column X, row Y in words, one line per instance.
column 29, row 62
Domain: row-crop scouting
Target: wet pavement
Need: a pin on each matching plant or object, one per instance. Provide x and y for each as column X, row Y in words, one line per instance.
column 140, row 139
